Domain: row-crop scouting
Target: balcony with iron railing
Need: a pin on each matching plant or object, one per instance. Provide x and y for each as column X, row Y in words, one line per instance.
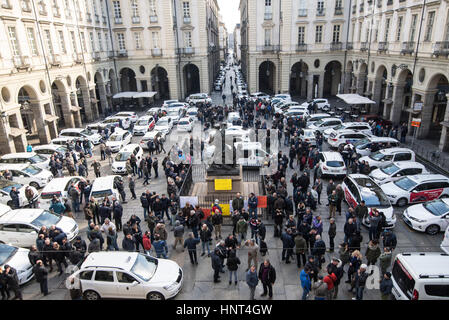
column 349, row 45
column 97, row 55
column 338, row 11
column 268, row 48
column 97, row 18
column 104, row 19
column 408, row 47
column 21, row 62
column 382, row 46
column 118, row 20
column 302, row 12
column 54, row 59
column 354, row 9
column 441, row 48
column 153, row 19
column 336, row 46
column 187, row 20
column 135, row 19
column 122, row 53
column 156, row 52
column 77, row 57
column 320, row 12
column 301, row 47
column 363, row 46
column 89, row 17
column 268, row 16
column 110, row 54
column 186, row 50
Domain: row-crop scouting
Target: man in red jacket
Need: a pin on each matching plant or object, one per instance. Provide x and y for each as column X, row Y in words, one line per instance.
column 147, row 242
column 330, row 279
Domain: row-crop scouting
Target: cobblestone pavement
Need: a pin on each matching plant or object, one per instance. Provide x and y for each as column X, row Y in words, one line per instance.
column 198, row 283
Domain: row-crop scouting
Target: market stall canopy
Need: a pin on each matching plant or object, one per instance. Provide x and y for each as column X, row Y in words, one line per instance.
column 147, row 94
column 352, row 98
column 127, row 94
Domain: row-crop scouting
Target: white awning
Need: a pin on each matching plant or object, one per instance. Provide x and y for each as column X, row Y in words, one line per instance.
column 353, row 98
column 128, row 94
column 147, row 94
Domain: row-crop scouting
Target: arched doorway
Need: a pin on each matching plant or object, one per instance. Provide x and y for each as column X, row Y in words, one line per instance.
column 332, row 78
column 56, row 89
column 440, row 84
column 81, row 88
column 298, row 80
column 159, row 82
column 100, row 92
column 406, row 77
column 128, row 80
column 191, row 79
column 267, row 71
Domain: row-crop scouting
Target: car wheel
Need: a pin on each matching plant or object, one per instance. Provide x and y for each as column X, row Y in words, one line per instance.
column 433, row 229
column 34, row 185
column 402, row 202
column 91, row 295
column 155, row 296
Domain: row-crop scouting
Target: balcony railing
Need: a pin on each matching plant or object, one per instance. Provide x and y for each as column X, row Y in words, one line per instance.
column 118, row 20
column 408, row 47
column 354, row 9
column 96, row 55
column 54, row 60
column 89, row 17
column 97, row 18
column 268, row 16
column 441, row 48
column 301, row 47
column 156, row 52
column 135, row 19
column 336, row 46
column 187, row 20
column 21, row 62
column 382, row 47
column 302, row 12
column 110, row 54
column 153, row 19
column 268, row 48
column 320, row 12
column 338, row 11
column 77, row 57
column 349, row 46
column 363, row 46
column 104, row 19
column 122, row 53
column 362, row 7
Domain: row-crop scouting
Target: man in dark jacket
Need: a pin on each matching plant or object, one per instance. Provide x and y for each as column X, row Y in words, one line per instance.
column 12, row 281
column 104, row 212
column 128, row 243
column 267, row 275
column 190, row 243
column 349, row 230
column 332, row 233
column 386, row 285
column 287, row 245
column 216, row 264
column 319, row 249
column 34, row 255
column 41, row 273
column 335, row 267
column 238, row 203
column 360, row 211
column 118, row 213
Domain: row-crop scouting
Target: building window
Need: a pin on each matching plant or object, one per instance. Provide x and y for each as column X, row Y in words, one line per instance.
column 138, row 40
column 413, row 27
column 83, row 41
column 117, row 9
column 268, row 37
column 62, row 42
column 32, row 41
column 429, row 27
column 336, row 33
column 13, row 41
column 359, row 35
column 48, row 41
column 301, row 34
column 155, row 38
column 100, row 42
column 446, row 36
column 188, row 39
column 153, row 11
column 387, row 29
column 86, row 5
column 338, row 4
column 186, row 9
column 376, row 33
column 73, row 39
column 92, row 42
column 318, row 34
column 320, row 7
column 56, row 12
column 352, row 32
column 399, row 29
column 134, row 8
column 68, row 13
column 106, row 39
column 121, row 41
column 302, row 11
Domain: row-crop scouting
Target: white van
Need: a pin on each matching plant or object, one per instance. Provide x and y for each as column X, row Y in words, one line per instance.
column 445, row 243
column 421, row 276
column 105, row 187
column 251, row 154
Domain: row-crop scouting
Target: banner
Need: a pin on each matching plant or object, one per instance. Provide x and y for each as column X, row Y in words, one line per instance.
column 183, row 200
column 261, row 201
column 225, row 208
column 223, row 184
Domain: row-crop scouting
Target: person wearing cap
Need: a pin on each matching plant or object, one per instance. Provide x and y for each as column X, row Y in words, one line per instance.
column 320, row 289
column 386, row 285
column 360, row 281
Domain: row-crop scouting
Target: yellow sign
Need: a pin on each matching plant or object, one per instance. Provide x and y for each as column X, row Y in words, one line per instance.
column 226, row 209
column 223, row 184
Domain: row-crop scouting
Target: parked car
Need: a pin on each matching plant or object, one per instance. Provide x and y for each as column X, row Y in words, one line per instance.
column 105, row 187
column 118, row 139
column 308, row 136
column 363, row 147
column 358, row 187
column 344, row 137
column 130, row 275
column 81, row 134
column 396, row 170
column 316, row 117
column 167, row 103
column 17, row 258
column 198, row 98
column 119, row 164
column 430, row 217
column 150, row 136
column 192, row 113
column 28, row 174
column 185, row 124
column 417, row 188
column 251, row 154
column 175, row 114
column 325, row 123
column 47, row 150
column 5, row 189
column 384, row 157
column 131, row 115
column 259, row 95
column 164, row 124
column 331, row 164
column 26, row 157
column 143, row 125
column 58, row 187
column 356, row 126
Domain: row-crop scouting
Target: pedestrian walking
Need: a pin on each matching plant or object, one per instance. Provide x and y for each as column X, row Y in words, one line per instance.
column 306, row 283
column 190, row 243
column 267, row 275
column 41, row 273
column 216, row 264
column 332, row 233
column 233, row 264
column 252, row 281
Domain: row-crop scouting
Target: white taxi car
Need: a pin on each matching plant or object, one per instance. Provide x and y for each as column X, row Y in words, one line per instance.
column 5, row 189
column 129, row 275
column 384, row 157
column 118, row 139
column 20, row 227
column 81, row 134
column 358, row 187
column 198, row 98
column 396, row 170
column 417, row 188
column 26, row 157
column 308, row 135
column 185, row 124
column 344, row 137
column 164, row 124
column 192, row 113
column 119, row 164
column 17, row 258
column 356, row 126
column 150, row 136
column 28, row 174
column 430, row 217
column 331, row 164
column 131, row 115
column 58, row 187
column 325, row 123
column 143, row 125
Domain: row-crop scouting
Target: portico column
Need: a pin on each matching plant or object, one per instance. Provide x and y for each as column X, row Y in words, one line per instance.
column 398, row 99
column 426, row 114
column 39, row 117
column 310, row 87
column 87, row 103
column 103, row 98
column 7, row 144
column 347, row 85
column 139, row 89
column 76, row 114
column 66, row 112
column 320, row 85
column 360, row 83
column 444, row 139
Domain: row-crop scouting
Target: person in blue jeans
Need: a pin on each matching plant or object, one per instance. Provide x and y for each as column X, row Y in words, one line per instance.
column 206, row 237
column 360, row 281
column 160, row 246
column 305, row 283
column 252, row 204
column 233, row 264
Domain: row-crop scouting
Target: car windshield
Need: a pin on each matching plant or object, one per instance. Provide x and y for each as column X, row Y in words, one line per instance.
column 32, row 170
column 309, row 134
column 405, row 183
column 183, row 123
column 340, row 126
column 390, row 169
column 377, row 156
column 46, row 218
column 335, row 164
column 144, row 267
column 115, row 138
column 7, row 185
column 122, row 156
column 192, row 113
column 319, row 122
column 162, row 122
column 374, row 197
column 6, row 252
column 141, row 122
column 173, row 113
column 437, row 207
column 101, row 193
column 37, row 158
column 87, row 132
column 361, row 143
column 62, row 149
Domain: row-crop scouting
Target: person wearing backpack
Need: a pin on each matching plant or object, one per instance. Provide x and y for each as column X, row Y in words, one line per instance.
column 233, row 264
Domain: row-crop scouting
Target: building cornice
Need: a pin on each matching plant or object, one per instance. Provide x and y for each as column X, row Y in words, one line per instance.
column 154, row 28
column 8, row 18
column 137, row 28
